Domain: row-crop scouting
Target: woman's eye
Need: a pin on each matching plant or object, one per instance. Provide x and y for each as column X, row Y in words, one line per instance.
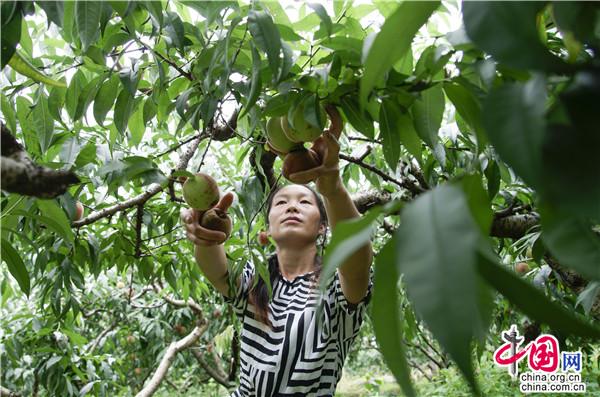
column 280, row 202
column 305, row 202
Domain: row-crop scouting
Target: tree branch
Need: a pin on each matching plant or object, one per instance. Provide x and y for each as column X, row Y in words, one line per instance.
column 154, row 189
column 169, row 357
column 406, row 183
column 4, row 392
column 514, row 226
column 214, row 373
column 19, row 174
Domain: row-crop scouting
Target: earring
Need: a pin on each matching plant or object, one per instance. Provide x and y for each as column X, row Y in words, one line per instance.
column 263, row 238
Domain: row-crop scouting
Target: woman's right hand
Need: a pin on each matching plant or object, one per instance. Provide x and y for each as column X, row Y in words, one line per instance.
column 199, row 235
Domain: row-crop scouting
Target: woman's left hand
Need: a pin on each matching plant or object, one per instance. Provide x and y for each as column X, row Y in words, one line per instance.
column 325, row 175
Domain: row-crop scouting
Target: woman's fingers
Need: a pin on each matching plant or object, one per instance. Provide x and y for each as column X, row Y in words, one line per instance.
column 198, row 241
column 225, row 202
column 210, row 235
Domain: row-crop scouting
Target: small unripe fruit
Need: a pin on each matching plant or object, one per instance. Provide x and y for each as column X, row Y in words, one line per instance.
column 137, row 371
column 217, row 313
column 277, row 141
column 78, row 211
column 216, row 219
column 180, row 329
column 522, row 268
column 120, row 285
column 300, row 160
column 302, row 130
column 130, row 339
column 263, row 238
column 201, row 192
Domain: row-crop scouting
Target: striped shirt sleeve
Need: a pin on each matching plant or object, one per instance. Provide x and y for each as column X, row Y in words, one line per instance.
column 239, row 296
column 350, row 316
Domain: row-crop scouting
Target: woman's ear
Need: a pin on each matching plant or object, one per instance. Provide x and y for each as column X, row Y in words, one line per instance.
column 322, row 229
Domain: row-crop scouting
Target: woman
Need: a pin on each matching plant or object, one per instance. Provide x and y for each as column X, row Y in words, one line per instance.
column 286, row 350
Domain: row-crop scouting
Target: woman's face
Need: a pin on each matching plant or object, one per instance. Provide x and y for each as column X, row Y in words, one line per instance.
column 294, row 217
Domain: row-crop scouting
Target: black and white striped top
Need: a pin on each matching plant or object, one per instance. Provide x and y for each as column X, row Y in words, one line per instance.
column 299, row 356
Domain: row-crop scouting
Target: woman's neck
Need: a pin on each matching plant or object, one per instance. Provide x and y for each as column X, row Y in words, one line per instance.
column 295, row 262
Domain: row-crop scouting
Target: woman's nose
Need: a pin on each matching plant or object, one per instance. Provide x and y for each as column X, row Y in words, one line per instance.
column 291, row 208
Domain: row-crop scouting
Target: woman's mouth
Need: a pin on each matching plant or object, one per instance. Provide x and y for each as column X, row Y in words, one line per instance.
column 291, row 219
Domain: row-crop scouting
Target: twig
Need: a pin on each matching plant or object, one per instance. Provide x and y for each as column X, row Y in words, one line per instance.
column 406, row 184
column 182, row 72
column 97, row 341
column 138, row 229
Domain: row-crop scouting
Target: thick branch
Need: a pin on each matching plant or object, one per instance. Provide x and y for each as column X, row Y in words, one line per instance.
column 168, row 359
column 514, row 226
column 214, row 373
column 368, row 200
column 4, row 392
column 19, row 174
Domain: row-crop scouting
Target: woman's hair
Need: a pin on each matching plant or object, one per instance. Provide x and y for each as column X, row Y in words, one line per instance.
column 259, row 295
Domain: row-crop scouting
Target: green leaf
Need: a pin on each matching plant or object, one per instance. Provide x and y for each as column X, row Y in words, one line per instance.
column 54, row 11
column 571, row 240
column 174, row 29
column 11, row 30
column 105, row 98
column 15, row 264
column 313, row 112
column 87, row 20
column 436, row 251
column 255, row 84
column 478, row 202
column 513, row 116
column 22, row 66
column 389, row 112
column 266, row 35
column 123, row 109
column 43, row 123
column 532, row 301
column 56, row 101
column 393, row 41
column 137, row 126
column 360, row 120
column 24, row 115
column 347, row 237
column 69, row 152
column 8, row 113
column 130, row 77
column 155, row 10
column 322, row 13
column 408, row 135
column 492, row 173
column 87, row 96
column 149, row 110
column 78, row 81
column 428, row 112
column 507, row 31
column 51, row 210
column 469, row 108
column 387, row 318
